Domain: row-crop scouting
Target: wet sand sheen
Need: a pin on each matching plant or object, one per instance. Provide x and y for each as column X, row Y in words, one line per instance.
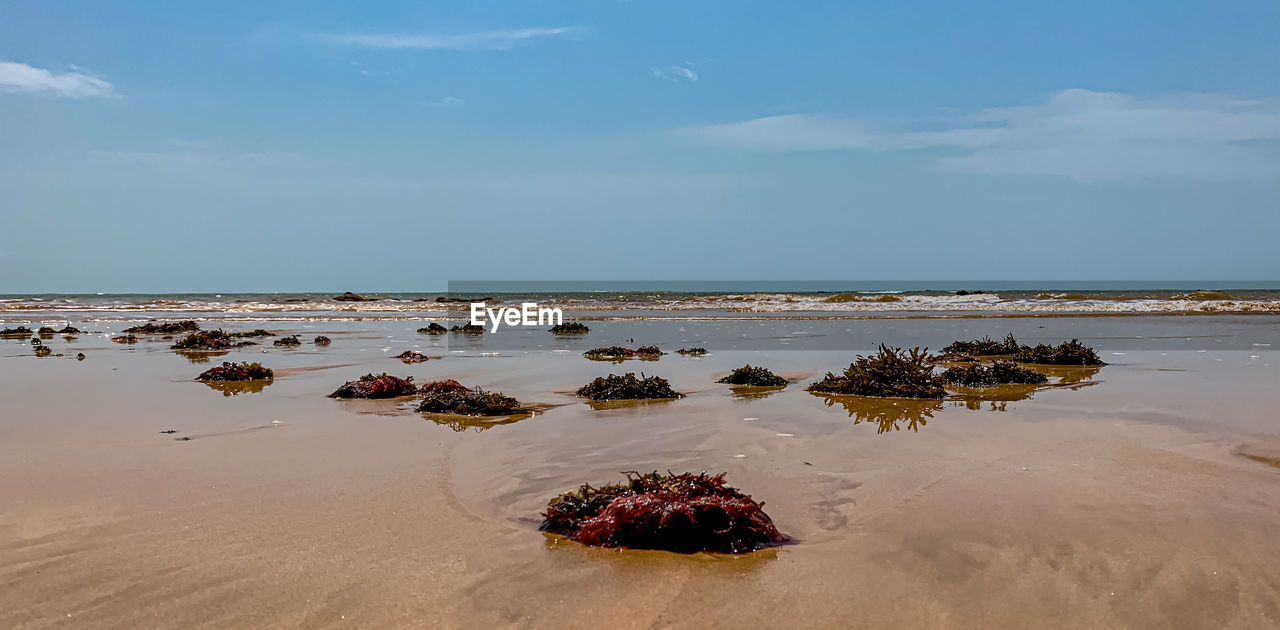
column 1126, row 503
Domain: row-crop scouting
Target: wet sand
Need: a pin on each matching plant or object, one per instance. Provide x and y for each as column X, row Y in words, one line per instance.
column 1136, row 496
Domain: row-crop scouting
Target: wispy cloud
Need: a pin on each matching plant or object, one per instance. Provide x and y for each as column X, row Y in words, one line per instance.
column 448, row 101
column 1082, row 134
column 686, row 72
column 21, row 78
column 478, row 40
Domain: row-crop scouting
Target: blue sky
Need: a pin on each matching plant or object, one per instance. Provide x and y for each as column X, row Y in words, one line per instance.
column 233, row 146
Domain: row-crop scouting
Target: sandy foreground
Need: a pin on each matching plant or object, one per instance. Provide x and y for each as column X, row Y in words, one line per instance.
column 1145, row 496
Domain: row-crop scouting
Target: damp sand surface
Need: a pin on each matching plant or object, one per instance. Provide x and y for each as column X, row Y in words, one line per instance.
column 1143, row 495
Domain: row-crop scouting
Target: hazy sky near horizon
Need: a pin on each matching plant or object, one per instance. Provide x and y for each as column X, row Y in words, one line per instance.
column 239, row 146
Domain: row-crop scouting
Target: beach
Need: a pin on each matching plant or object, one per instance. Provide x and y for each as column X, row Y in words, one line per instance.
column 1142, row 494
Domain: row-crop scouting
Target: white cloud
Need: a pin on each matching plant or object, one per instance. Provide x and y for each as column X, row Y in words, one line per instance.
column 1085, row 135
column 480, row 40
column 19, row 77
column 687, row 72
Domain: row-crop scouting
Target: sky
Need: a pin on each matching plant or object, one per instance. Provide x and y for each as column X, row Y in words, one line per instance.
column 395, row 146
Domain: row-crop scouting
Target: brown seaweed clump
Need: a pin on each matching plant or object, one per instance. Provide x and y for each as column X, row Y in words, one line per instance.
column 41, row 350
column 468, row 328
column 409, row 356
column 1068, row 353
column 998, row 373
column 695, row 351
column 648, row 352
column 376, row 386
column 125, row 339
column 570, row 328
column 46, row 331
column 985, row 347
column 432, row 329
column 628, row 387
column 290, row 341
column 167, row 328
column 446, row 397
column 237, row 372
column 322, row 340
column 892, row 372
column 210, row 340
column 259, row 332
column 611, row 353
column 755, row 376
column 683, row 513
column 19, row 331
column 68, row 330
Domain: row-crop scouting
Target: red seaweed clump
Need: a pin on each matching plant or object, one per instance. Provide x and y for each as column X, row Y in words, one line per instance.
column 376, row 386
column 237, row 372
column 683, row 513
column 449, row 385
column 210, row 340
column 167, row 328
column 409, row 356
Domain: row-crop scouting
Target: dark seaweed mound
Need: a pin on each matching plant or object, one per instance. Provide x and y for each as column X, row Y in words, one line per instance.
column 446, row 397
column 758, row 376
column 1069, row 353
column 291, row 340
column 998, row 373
column 69, row 330
column 683, row 513
column 237, row 372
column 570, row 328
column 468, row 328
column 209, row 340
column 433, row 329
column 695, row 351
column 628, row 387
column 409, row 356
column 376, row 386
column 20, row 331
column 252, row 333
column 322, row 340
column 167, row 328
column 985, row 347
column 125, row 339
column 610, row 353
column 890, row 373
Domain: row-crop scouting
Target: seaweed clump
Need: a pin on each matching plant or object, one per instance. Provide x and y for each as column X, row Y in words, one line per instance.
column 376, row 386
column 446, row 397
column 611, row 353
column 237, row 372
column 683, row 513
column 695, row 351
column 468, row 328
column 1068, row 353
column 449, row 385
column 322, row 340
column 433, row 329
column 167, row 328
column 291, row 340
column 19, row 331
column 755, row 376
column 985, row 347
column 210, row 340
column 570, row 328
column 125, row 339
column 40, row 349
column 69, row 330
column 628, row 387
column 998, row 373
column 892, row 372
column 409, row 356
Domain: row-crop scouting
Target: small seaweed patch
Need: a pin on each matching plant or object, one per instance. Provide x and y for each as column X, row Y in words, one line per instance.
column 985, row 347
column 125, row 339
column 695, row 351
column 683, row 513
column 252, row 333
column 468, row 402
column 892, row 372
column 648, row 352
column 570, row 328
column 611, row 353
column 167, row 328
column 449, row 385
column 433, row 329
column 468, row 328
column 69, row 330
column 322, row 340
column 628, row 387
column 237, row 372
column 209, row 340
column 756, row 376
column 19, row 331
column 1069, row 353
column 41, row 350
column 46, row 331
column 409, row 356
column 376, row 386
column 998, row 373
column 290, row 341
